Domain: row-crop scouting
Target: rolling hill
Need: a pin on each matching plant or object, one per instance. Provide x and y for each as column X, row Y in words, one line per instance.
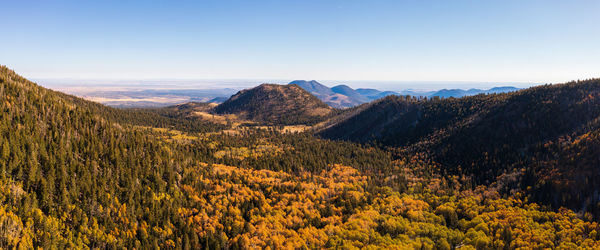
column 497, row 136
column 277, row 105
column 75, row 174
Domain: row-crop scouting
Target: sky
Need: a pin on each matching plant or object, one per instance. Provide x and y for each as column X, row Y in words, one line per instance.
column 523, row 41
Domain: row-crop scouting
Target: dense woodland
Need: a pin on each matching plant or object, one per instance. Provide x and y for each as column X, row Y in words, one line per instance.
column 274, row 104
column 76, row 174
column 542, row 139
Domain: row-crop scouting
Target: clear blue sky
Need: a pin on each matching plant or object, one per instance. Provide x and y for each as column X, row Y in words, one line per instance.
column 521, row 40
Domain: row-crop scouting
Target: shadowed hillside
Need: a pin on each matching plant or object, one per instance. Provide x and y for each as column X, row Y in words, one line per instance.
column 487, row 136
column 77, row 175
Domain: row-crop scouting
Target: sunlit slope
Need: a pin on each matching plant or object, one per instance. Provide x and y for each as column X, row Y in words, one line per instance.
column 74, row 176
column 276, row 105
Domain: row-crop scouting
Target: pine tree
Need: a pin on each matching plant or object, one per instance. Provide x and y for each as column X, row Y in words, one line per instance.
column 5, row 151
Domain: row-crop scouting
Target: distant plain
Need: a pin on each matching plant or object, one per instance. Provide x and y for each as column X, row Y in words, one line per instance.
column 161, row 92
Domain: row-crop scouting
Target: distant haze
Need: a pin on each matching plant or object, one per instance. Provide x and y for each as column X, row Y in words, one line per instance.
column 74, row 86
column 338, row 94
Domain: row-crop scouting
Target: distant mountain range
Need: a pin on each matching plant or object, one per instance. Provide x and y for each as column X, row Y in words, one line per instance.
column 343, row 96
column 340, row 96
column 445, row 93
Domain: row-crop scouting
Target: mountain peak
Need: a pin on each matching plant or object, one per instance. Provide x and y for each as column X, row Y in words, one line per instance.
column 276, row 104
column 313, row 87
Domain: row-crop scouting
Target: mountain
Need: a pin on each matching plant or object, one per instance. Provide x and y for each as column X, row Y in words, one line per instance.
column 501, row 90
column 516, row 139
column 276, row 104
column 72, row 171
column 349, row 92
column 75, row 174
column 374, row 94
column 382, row 94
column 457, row 93
column 416, row 93
column 325, row 94
column 340, row 101
column 218, row 100
column 369, row 121
column 445, row 93
column 368, row 92
column 340, row 96
column 343, row 96
column 314, row 87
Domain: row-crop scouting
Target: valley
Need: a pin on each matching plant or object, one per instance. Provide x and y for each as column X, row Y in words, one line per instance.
column 276, row 167
column 180, row 125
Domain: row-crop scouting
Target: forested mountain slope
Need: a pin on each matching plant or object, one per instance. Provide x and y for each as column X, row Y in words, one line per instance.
column 276, row 104
column 74, row 174
column 486, row 136
column 74, row 177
